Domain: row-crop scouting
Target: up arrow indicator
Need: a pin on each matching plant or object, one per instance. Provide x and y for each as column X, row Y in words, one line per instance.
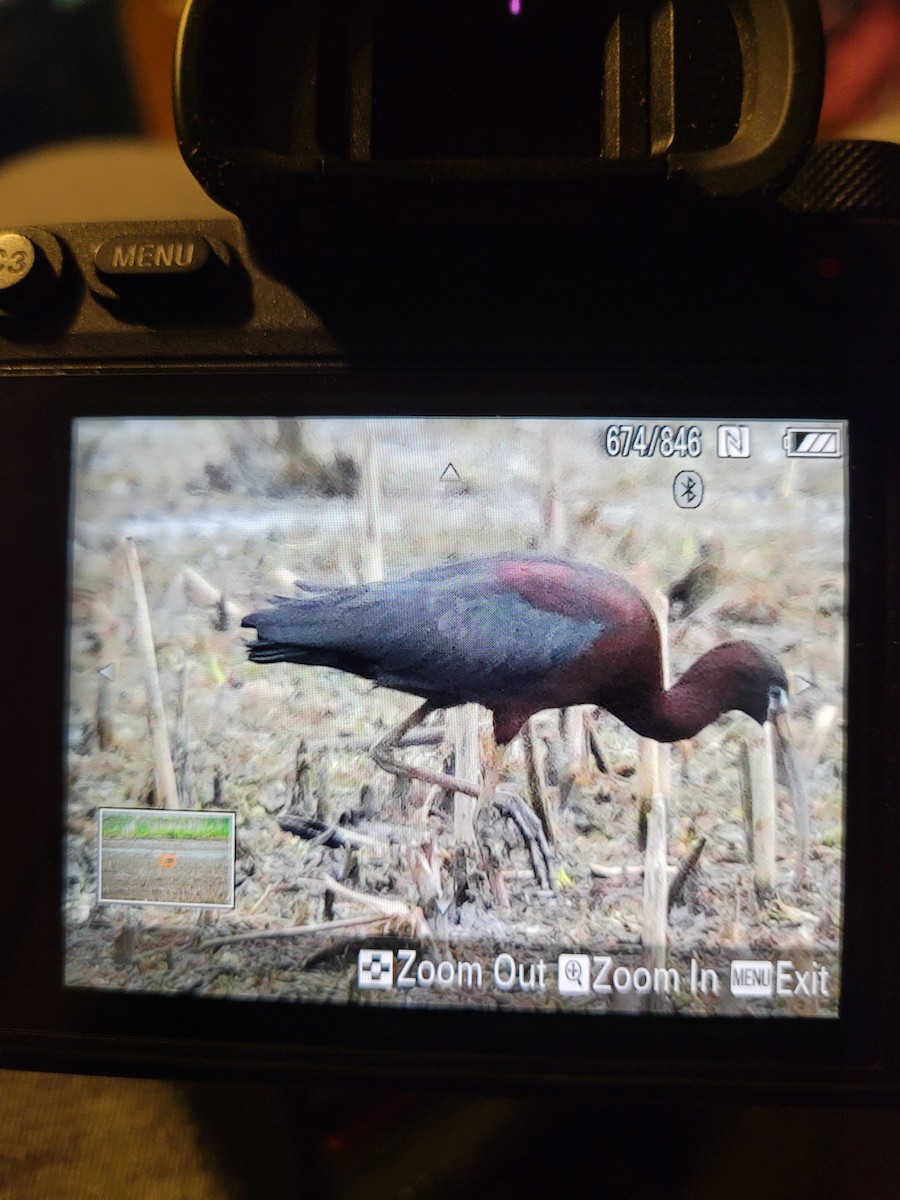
column 450, row 474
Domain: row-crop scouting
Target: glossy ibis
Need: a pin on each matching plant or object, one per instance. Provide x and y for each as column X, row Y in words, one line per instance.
column 518, row 634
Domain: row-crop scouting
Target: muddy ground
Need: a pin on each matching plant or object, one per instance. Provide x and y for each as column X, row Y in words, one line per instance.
column 157, row 871
column 240, row 508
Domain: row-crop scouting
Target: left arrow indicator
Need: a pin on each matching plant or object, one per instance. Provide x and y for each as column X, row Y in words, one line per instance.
column 108, row 672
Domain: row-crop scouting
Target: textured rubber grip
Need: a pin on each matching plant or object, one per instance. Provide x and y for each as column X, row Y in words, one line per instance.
column 848, row 177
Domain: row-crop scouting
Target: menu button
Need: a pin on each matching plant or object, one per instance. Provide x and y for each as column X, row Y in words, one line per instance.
column 175, row 254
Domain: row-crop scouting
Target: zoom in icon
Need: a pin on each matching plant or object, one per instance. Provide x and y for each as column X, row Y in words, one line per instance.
column 573, row 974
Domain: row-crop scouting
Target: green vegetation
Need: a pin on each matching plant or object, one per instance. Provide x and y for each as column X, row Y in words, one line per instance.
column 177, row 826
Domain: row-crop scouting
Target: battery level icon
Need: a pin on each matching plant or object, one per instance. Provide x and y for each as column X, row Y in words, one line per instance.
column 812, row 443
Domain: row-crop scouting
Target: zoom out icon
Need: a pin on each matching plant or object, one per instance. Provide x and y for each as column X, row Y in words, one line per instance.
column 375, row 970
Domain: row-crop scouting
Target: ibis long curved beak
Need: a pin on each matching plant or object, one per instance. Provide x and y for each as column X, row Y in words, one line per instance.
column 779, row 706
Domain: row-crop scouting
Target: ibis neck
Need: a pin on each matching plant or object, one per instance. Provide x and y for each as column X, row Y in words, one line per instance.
column 693, row 702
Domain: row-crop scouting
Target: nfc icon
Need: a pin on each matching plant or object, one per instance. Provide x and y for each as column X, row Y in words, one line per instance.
column 734, row 441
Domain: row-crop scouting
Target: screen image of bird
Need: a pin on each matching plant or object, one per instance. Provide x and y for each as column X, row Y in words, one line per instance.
column 535, row 714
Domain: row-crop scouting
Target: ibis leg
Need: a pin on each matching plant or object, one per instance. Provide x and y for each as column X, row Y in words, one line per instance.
column 492, row 773
column 521, row 813
column 486, row 864
column 384, row 750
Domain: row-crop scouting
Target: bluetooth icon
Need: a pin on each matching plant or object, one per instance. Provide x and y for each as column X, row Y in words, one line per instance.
column 688, row 489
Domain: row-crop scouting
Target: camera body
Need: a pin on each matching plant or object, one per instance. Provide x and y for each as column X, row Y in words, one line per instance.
column 253, row 404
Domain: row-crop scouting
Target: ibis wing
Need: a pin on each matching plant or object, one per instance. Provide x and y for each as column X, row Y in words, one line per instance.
column 448, row 639
column 485, row 646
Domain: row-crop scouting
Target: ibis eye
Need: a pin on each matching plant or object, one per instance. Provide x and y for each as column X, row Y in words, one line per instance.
column 779, row 702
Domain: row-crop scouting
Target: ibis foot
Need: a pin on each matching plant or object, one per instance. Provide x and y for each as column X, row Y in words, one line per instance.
column 532, row 831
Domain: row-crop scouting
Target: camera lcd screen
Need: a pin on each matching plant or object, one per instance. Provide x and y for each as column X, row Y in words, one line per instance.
column 544, row 715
